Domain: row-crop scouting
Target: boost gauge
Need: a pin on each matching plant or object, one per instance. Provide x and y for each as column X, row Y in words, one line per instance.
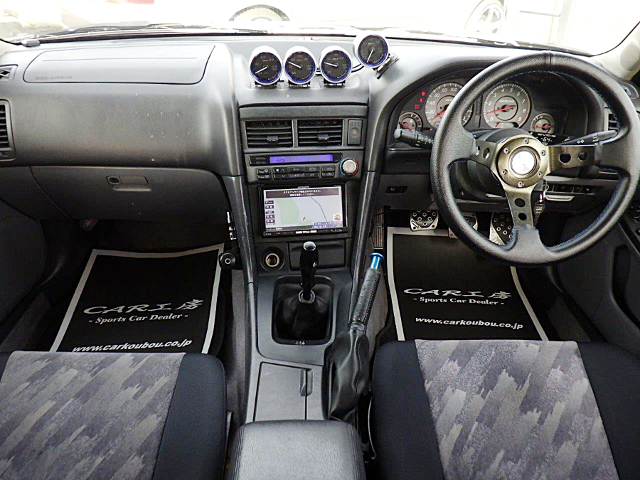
column 335, row 64
column 507, row 105
column 299, row 65
column 410, row 121
column 265, row 66
column 371, row 49
column 543, row 123
column 439, row 100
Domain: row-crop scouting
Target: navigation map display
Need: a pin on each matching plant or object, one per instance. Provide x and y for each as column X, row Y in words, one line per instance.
column 304, row 210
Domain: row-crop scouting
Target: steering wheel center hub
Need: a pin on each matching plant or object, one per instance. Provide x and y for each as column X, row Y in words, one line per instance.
column 522, row 161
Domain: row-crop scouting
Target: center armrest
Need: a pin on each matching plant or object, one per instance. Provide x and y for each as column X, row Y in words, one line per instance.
column 323, row 450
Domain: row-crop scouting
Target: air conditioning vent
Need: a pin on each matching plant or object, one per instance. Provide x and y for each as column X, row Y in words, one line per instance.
column 612, row 123
column 6, row 72
column 269, row 134
column 318, row 133
column 6, row 145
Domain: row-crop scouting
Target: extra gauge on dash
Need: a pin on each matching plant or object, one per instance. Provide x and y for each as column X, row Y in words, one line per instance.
column 335, row 64
column 299, row 65
column 371, row 49
column 265, row 66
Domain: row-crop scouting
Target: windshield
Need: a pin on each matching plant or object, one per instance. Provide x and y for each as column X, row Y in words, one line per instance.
column 590, row 26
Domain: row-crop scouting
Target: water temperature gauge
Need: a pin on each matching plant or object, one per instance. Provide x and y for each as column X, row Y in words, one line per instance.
column 543, row 123
column 410, row 121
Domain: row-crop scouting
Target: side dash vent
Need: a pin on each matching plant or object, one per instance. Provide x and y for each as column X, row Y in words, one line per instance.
column 6, row 72
column 612, row 123
column 269, row 134
column 319, row 133
column 6, row 143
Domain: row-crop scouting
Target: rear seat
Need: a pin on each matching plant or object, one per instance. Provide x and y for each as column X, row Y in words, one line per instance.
column 103, row 416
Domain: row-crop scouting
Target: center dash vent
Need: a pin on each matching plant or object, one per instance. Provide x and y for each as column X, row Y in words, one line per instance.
column 6, row 72
column 269, row 134
column 318, row 133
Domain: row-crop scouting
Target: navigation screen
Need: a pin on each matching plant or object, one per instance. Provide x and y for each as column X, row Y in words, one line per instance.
column 295, row 209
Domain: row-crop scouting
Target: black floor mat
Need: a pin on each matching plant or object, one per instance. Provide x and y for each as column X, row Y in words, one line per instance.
column 443, row 290
column 144, row 302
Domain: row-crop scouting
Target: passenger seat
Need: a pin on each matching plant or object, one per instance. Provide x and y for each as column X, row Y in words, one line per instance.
column 103, row 416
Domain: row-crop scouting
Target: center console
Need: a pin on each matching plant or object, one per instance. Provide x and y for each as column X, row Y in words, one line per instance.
column 304, row 166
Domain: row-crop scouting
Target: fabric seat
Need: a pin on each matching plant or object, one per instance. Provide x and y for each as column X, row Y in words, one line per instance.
column 115, row 415
column 463, row 410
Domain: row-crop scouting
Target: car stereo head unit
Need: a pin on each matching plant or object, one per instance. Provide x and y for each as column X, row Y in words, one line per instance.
column 304, row 210
column 285, row 159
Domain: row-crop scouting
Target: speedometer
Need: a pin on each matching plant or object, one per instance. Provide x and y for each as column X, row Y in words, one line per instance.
column 507, row 105
column 439, row 100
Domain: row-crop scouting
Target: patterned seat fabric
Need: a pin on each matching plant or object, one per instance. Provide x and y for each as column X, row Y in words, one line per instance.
column 505, row 410
column 102, row 416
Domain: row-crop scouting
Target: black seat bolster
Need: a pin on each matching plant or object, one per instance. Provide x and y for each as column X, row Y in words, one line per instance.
column 402, row 428
column 614, row 375
column 313, row 450
column 193, row 445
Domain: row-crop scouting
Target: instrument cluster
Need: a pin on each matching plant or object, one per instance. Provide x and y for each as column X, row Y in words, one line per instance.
column 530, row 103
column 300, row 66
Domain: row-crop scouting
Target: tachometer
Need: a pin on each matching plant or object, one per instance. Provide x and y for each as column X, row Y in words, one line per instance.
column 439, row 100
column 507, row 105
column 410, row 121
column 543, row 123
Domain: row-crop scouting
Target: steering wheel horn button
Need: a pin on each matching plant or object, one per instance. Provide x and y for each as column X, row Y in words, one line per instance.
column 523, row 162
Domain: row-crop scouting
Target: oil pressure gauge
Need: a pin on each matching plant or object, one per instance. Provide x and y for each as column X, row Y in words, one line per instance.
column 335, row 64
column 299, row 65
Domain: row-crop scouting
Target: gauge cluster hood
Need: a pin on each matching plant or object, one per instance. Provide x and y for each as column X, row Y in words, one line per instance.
column 160, row 64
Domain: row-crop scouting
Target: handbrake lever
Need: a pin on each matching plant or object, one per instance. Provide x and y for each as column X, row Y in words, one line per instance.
column 347, row 358
column 362, row 310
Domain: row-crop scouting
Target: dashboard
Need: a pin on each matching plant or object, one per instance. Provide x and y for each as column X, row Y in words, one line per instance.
column 166, row 128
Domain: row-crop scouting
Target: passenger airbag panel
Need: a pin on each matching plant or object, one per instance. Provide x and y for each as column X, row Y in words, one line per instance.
column 166, row 64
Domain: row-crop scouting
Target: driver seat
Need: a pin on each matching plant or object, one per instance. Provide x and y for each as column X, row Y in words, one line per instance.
column 502, row 409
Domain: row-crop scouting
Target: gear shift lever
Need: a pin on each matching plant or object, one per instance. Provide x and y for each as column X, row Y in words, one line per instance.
column 304, row 313
column 308, row 266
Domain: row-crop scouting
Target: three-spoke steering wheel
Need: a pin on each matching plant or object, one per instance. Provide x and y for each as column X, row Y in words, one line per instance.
column 519, row 161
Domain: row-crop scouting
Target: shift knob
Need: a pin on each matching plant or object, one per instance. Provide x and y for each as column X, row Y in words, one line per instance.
column 308, row 266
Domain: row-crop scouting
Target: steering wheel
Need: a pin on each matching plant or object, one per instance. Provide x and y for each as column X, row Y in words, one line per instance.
column 519, row 161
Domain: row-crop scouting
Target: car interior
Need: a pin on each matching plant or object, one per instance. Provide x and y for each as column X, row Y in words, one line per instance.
column 253, row 254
